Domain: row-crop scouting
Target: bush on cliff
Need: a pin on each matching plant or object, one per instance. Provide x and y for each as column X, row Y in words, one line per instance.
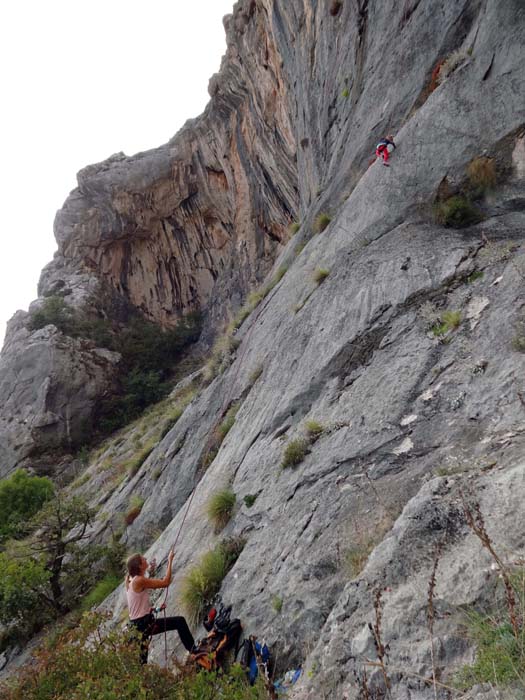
column 457, row 212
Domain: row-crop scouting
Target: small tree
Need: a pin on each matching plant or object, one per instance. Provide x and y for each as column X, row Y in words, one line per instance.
column 21, row 497
column 43, row 576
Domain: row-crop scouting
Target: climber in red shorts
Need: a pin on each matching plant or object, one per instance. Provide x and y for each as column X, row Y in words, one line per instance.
column 382, row 148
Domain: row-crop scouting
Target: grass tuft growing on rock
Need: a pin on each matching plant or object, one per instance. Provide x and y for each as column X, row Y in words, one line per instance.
column 134, row 464
column 133, row 512
column 500, row 655
column 321, row 222
column 294, row 453
column 294, row 227
column 457, row 212
column 320, row 274
column 203, row 581
column 482, row 173
column 450, row 64
column 227, row 424
column 314, row 430
column 357, row 555
column 170, row 421
column 448, row 321
column 220, row 508
column 255, row 374
column 277, row 603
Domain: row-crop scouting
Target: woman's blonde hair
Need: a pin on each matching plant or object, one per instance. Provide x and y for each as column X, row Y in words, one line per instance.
column 134, row 564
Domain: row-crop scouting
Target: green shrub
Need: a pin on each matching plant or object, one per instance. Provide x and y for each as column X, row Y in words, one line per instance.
column 320, row 274
column 294, row 453
column 220, row 508
column 294, row 227
column 44, row 575
column 21, row 497
column 448, row 321
column 314, row 430
column 277, row 603
column 457, row 212
column 451, row 319
column 250, row 499
column 321, row 222
column 101, row 591
column 476, row 275
column 203, row 581
column 53, row 311
column 345, row 93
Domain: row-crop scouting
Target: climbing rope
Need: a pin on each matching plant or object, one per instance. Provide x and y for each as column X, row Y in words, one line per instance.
column 238, row 360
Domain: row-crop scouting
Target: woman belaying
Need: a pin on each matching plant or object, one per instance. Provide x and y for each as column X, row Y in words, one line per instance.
column 141, row 616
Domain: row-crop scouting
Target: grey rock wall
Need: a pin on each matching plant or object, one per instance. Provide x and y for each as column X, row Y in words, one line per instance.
column 409, row 418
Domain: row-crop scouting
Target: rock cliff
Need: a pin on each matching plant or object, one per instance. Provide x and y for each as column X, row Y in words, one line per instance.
column 401, row 337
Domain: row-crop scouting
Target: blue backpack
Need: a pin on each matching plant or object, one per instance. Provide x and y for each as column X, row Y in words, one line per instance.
column 254, row 657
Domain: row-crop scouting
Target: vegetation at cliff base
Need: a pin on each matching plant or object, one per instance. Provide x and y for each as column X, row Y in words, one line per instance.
column 21, row 497
column 46, row 575
column 89, row 662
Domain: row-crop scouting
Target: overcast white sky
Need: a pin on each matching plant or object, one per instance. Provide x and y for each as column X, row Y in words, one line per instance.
column 80, row 80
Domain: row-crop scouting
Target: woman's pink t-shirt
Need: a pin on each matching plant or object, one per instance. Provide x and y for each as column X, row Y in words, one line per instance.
column 139, row 604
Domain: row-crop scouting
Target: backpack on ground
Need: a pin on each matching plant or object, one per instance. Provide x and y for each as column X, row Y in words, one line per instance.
column 255, row 658
column 223, row 635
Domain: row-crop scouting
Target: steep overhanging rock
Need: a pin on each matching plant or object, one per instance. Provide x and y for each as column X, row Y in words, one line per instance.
column 195, row 223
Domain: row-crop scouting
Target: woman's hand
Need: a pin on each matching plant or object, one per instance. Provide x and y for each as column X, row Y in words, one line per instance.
column 171, row 554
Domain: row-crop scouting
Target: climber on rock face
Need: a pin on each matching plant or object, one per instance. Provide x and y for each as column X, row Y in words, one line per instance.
column 138, row 586
column 382, row 148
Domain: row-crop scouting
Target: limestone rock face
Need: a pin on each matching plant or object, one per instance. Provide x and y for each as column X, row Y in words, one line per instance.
column 49, row 384
column 188, row 225
column 414, row 412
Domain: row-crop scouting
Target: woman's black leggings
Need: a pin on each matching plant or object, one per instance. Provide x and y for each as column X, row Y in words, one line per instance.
column 149, row 626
